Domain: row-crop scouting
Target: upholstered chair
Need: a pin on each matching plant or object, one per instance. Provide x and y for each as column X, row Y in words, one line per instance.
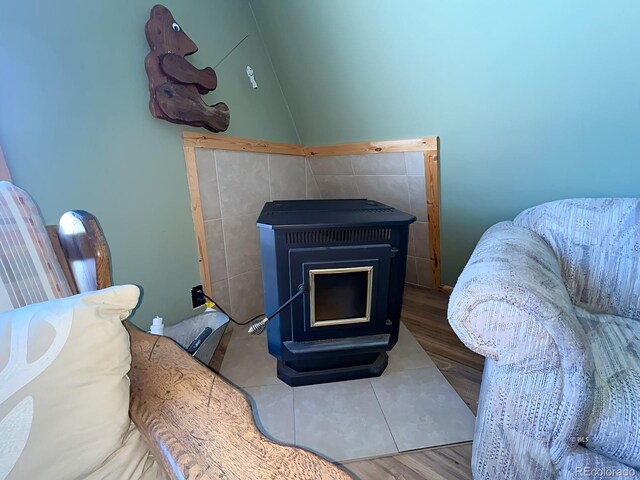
column 552, row 300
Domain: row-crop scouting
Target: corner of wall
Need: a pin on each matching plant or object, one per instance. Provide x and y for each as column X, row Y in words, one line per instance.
column 275, row 73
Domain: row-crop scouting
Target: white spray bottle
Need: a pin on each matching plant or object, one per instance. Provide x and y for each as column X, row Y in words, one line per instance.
column 157, row 327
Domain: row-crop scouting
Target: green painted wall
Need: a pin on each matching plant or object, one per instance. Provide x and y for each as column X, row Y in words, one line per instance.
column 533, row 101
column 77, row 133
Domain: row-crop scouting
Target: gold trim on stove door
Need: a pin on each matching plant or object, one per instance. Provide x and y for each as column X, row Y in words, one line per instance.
column 339, row 321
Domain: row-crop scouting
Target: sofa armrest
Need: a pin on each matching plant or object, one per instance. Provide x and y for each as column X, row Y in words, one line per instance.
column 512, row 268
column 510, row 304
column 199, row 426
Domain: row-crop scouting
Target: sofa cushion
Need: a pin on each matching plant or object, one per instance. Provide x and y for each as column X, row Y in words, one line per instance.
column 64, row 390
column 614, row 424
column 597, row 242
column 29, row 269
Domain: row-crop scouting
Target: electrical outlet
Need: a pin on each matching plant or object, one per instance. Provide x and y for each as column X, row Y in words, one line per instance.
column 197, row 296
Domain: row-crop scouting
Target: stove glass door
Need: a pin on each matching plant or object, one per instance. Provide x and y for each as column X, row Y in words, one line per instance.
column 340, row 295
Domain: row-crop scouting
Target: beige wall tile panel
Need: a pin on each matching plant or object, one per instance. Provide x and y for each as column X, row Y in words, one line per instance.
column 215, row 250
column 414, row 162
column 331, row 165
column 242, row 243
column 287, row 177
column 208, row 184
column 391, row 190
column 379, row 164
column 420, row 236
column 337, row 186
column 246, row 295
column 243, row 180
column 418, row 197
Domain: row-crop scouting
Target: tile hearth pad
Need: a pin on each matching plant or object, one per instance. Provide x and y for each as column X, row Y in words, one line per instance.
column 411, row 406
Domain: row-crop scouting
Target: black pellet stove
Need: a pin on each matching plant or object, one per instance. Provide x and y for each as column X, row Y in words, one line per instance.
column 350, row 256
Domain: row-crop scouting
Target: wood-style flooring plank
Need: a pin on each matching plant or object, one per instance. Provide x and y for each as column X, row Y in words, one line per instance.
column 446, row 463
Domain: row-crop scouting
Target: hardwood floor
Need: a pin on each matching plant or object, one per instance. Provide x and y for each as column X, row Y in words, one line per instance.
column 447, row 463
column 424, row 312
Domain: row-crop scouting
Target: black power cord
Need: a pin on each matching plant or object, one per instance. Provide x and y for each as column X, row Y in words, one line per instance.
column 217, row 306
column 258, row 327
column 301, row 290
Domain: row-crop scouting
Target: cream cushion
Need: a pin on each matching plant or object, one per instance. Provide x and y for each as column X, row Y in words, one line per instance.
column 64, row 390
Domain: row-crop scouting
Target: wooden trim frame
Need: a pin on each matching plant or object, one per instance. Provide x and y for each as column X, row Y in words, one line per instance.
column 432, row 180
column 196, row 214
column 198, row 140
column 430, row 146
column 423, row 144
column 448, row 289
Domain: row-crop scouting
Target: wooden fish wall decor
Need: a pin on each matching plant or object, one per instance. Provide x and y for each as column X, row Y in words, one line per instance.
column 175, row 85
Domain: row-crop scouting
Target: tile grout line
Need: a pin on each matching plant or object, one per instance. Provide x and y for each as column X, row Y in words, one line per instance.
column 408, row 190
column 411, row 236
column 306, row 180
column 293, row 403
column 404, row 163
column 213, row 157
column 383, row 415
column 269, row 176
column 411, row 209
column 353, row 175
column 215, row 166
column 251, row 270
column 353, row 170
column 366, row 175
column 224, row 244
column 315, row 181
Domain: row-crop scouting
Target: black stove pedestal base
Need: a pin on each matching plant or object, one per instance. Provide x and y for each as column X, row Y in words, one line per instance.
column 299, row 373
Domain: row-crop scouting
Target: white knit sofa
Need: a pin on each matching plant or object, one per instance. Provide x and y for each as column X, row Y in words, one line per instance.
column 552, row 300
